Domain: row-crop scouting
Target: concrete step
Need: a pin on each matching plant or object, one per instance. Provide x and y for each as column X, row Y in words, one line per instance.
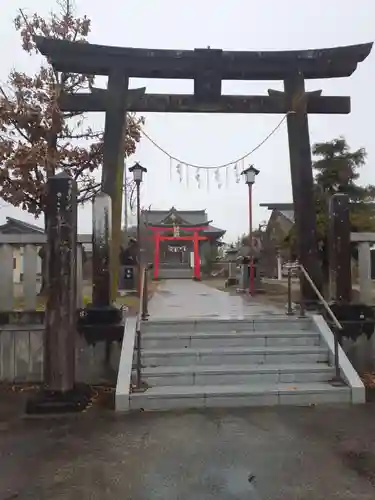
column 271, row 323
column 234, row 356
column 221, row 396
column 175, row 273
column 174, row 265
column 236, row 374
column 176, row 340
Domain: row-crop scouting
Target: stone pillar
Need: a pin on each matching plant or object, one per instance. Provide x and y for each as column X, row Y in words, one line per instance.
column 245, row 276
column 339, row 249
column 365, row 284
column 101, row 251
column 279, row 268
column 231, row 270
column 302, row 182
column 232, row 267
column 60, row 323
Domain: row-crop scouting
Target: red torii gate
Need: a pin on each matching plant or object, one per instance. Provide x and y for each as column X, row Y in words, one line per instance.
column 195, row 237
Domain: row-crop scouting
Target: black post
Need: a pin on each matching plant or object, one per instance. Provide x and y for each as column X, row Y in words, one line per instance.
column 145, row 294
column 302, row 182
column 139, row 249
column 337, row 379
column 60, row 324
column 290, row 309
column 302, row 279
column 102, row 320
column 340, row 267
column 339, row 249
column 139, row 357
column 61, row 316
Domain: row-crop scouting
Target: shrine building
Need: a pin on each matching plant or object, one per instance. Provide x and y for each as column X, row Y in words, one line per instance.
column 179, row 242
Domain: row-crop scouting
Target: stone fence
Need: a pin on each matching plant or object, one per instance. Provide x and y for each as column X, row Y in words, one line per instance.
column 27, row 260
column 22, row 327
column 21, row 352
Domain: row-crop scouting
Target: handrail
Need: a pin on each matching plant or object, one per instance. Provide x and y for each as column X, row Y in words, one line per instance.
column 141, row 295
column 304, row 274
column 141, row 316
column 320, row 296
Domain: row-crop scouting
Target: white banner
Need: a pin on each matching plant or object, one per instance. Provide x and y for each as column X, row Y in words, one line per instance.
column 176, row 249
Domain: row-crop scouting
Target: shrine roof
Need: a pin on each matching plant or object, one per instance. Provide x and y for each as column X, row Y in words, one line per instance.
column 277, row 206
column 290, row 206
column 287, row 209
column 288, row 214
column 183, row 217
column 14, row 226
column 214, row 230
column 89, row 58
column 187, row 218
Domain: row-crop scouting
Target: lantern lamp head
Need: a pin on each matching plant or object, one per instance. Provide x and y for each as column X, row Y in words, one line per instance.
column 250, row 173
column 137, row 171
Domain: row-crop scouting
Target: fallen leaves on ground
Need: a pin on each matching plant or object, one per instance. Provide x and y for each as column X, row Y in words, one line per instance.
column 369, row 380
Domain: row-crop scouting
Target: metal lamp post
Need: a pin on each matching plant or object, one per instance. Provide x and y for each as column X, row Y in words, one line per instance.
column 138, row 170
column 250, row 174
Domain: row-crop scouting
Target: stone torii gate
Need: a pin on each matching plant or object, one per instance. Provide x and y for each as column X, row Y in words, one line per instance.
column 208, row 68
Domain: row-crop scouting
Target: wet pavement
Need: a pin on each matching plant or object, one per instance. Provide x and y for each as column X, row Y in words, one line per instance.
column 316, row 453
column 292, row 454
column 176, row 299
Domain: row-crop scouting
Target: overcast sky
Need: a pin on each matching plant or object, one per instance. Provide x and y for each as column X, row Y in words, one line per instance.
column 217, row 139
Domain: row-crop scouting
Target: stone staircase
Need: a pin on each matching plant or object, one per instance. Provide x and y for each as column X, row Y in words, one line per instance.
column 235, row 363
column 178, row 272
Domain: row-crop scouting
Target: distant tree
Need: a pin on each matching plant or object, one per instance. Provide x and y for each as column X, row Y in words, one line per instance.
column 337, row 170
column 37, row 140
column 244, row 239
column 209, row 255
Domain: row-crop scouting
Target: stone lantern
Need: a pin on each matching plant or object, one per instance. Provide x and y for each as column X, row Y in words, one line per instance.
column 232, row 268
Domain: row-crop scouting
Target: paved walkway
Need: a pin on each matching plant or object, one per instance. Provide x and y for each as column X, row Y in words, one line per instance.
column 317, row 453
column 176, row 299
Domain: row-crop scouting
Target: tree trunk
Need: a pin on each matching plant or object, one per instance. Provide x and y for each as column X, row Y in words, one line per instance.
column 51, row 165
column 43, row 256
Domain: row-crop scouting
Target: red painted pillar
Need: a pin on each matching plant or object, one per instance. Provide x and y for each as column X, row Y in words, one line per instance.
column 156, row 255
column 197, row 261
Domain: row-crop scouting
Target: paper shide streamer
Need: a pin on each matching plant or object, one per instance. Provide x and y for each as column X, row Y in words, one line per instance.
column 237, row 166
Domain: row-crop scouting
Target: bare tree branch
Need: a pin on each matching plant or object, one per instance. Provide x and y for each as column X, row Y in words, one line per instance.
column 37, row 139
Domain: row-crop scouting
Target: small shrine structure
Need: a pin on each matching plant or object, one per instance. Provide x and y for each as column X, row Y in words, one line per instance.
column 180, row 239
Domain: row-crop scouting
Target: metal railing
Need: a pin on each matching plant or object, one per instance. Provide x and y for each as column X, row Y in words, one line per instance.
column 303, row 274
column 141, row 316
